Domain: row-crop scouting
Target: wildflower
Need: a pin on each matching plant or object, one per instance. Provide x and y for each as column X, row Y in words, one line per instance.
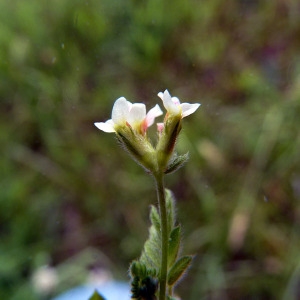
column 124, row 113
column 174, row 107
column 130, row 122
column 170, row 129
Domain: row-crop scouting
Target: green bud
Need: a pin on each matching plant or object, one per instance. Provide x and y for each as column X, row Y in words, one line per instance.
column 144, row 282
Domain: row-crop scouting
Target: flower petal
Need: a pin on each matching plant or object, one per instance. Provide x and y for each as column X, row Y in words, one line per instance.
column 161, row 95
column 121, row 111
column 152, row 114
column 108, row 126
column 171, row 106
column 188, row 109
column 137, row 114
column 176, row 100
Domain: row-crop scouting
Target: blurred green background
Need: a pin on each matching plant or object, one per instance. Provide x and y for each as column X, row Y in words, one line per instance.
column 72, row 199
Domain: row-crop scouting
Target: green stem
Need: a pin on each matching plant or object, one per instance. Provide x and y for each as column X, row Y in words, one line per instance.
column 164, row 235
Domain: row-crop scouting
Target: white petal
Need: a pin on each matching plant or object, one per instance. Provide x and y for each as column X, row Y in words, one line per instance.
column 137, row 114
column 176, row 100
column 170, row 106
column 188, row 109
column 152, row 114
column 160, row 95
column 108, row 126
column 121, row 111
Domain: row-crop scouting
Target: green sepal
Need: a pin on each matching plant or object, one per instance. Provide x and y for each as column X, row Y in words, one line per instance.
column 178, row 269
column 172, row 129
column 138, row 147
column 96, row 296
column 176, row 162
column 128, row 145
column 174, row 245
column 155, row 218
column 167, row 140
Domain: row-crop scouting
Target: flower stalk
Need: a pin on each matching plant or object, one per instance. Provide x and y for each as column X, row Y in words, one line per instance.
column 159, row 180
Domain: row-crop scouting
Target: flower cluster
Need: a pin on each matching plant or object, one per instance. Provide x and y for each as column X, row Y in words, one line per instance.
column 134, row 115
column 130, row 123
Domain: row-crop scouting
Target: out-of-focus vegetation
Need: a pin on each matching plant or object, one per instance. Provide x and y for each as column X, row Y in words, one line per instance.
column 69, row 195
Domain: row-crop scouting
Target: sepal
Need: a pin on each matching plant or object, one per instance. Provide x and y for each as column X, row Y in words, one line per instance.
column 138, row 147
column 167, row 140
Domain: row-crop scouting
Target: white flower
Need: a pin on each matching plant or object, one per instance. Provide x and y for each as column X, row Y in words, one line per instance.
column 125, row 113
column 174, row 107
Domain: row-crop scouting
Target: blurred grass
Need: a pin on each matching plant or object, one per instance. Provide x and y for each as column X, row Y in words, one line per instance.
column 67, row 187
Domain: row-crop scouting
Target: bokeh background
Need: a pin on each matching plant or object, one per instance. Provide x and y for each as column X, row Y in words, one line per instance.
column 72, row 199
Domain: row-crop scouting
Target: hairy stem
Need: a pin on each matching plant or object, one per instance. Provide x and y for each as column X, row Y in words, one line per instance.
column 164, row 235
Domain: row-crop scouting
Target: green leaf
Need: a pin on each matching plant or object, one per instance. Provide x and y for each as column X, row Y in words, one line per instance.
column 152, row 253
column 174, row 245
column 155, row 219
column 178, row 269
column 176, row 163
column 152, row 249
column 170, row 205
column 96, row 296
